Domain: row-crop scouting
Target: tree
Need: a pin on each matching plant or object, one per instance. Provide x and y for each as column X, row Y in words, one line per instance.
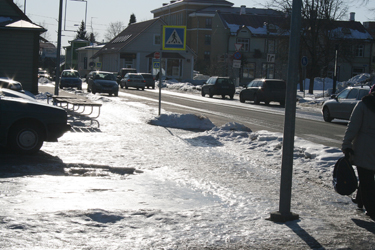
column 82, row 33
column 319, row 18
column 113, row 30
column 132, row 19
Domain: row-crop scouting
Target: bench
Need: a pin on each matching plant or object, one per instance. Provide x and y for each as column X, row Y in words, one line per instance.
column 82, row 109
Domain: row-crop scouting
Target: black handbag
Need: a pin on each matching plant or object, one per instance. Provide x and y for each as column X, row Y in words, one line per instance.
column 344, row 181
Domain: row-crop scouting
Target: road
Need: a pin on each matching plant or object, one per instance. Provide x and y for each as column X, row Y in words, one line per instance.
column 309, row 124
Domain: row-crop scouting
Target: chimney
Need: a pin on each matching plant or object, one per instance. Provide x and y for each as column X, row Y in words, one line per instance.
column 352, row 16
column 243, row 10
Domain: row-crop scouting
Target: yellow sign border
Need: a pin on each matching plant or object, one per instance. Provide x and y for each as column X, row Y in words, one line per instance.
column 174, row 27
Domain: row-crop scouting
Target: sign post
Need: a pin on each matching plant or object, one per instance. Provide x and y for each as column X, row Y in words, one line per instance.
column 173, row 38
column 304, row 62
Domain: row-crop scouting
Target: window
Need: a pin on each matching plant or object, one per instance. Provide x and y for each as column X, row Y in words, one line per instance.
column 268, row 70
column 245, row 43
column 353, row 94
column 208, row 23
column 207, row 55
column 359, row 49
column 207, row 39
column 248, row 70
column 157, row 40
column 271, row 46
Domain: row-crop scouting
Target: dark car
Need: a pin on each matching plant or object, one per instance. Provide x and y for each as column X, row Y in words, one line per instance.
column 264, row 90
column 26, row 123
column 149, row 78
column 102, row 82
column 341, row 106
column 10, row 84
column 70, row 78
column 134, row 80
column 218, row 86
column 121, row 74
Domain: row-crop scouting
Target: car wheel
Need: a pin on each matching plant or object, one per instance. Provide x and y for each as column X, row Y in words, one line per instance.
column 110, row 94
column 121, row 86
column 282, row 103
column 223, row 96
column 26, row 138
column 267, row 102
column 210, row 94
column 242, row 99
column 231, row 97
column 143, row 88
column 326, row 115
column 126, row 86
column 256, row 100
column 153, row 87
column 61, row 87
column 202, row 93
column 116, row 93
column 80, row 88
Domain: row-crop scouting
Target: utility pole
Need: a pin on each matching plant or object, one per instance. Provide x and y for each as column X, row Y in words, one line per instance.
column 57, row 76
column 284, row 214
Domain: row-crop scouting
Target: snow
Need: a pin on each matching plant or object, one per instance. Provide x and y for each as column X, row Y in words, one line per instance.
column 143, row 181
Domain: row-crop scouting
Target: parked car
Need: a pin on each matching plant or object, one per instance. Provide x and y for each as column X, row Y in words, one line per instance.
column 121, row 74
column 10, row 84
column 26, row 123
column 70, row 78
column 264, row 90
column 340, row 106
column 134, row 80
column 102, row 82
column 218, row 86
column 43, row 73
column 149, row 78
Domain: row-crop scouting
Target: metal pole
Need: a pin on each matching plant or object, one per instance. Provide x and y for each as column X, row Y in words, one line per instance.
column 160, row 70
column 335, row 70
column 24, row 7
column 57, row 76
column 284, row 214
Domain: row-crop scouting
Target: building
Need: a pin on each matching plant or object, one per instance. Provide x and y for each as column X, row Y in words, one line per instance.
column 255, row 41
column 86, row 63
column 19, row 50
column 135, row 47
column 71, row 54
column 370, row 27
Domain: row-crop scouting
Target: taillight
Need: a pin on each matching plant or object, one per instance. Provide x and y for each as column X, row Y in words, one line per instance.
column 144, row 80
column 128, row 80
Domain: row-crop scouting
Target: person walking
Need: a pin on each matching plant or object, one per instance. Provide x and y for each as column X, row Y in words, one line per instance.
column 359, row 142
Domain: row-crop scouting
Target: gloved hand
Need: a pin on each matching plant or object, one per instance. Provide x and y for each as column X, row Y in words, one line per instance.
column 347, row 152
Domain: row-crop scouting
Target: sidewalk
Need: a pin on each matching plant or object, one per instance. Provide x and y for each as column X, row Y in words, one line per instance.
column 190, row 190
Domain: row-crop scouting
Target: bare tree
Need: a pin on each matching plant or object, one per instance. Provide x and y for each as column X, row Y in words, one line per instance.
column 113, row 30
column 318, row 17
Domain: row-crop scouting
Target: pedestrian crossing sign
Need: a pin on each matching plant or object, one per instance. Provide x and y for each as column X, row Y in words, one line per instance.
column 174, row 37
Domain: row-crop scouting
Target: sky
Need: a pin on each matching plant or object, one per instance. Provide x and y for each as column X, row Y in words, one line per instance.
column 101, row 13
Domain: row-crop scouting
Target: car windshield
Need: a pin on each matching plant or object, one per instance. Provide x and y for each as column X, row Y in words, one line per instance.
column 105, row 76
column 74, row 74
column 138, row 77
column 147, row 76
column 222, row 81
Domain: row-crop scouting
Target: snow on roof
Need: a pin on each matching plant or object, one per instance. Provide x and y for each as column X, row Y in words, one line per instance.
column 23, row 24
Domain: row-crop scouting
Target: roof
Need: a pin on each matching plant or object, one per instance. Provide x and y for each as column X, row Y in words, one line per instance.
column 257, row 24
column 126, row 37
column 16, row 19
column 349, row 30
column 190, row 2
column 235, row 10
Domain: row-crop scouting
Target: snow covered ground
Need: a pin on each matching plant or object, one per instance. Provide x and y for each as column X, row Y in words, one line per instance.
column 141, row 182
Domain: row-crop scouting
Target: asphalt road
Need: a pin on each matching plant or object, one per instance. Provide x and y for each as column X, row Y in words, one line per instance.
column 309, row 124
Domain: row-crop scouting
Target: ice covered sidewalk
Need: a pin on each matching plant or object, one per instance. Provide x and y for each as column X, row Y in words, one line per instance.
column 206, row 189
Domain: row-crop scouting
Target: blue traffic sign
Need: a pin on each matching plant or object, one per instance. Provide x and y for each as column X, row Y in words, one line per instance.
column 304, row 61
column 174, row 37
column 237, row 55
